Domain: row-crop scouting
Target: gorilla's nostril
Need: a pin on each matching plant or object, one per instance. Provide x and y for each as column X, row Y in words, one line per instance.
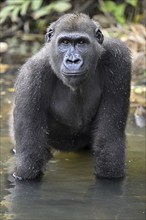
column 73, row 61
column 77, row 61
column 68, row 61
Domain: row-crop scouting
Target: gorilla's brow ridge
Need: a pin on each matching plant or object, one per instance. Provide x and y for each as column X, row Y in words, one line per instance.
column 74, row 35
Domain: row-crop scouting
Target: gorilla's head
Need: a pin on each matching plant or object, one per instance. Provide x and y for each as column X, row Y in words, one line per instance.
column 74, row 45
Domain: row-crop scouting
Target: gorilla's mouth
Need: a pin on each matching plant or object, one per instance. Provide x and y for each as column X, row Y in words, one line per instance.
column 74, row 79
column 75, row 74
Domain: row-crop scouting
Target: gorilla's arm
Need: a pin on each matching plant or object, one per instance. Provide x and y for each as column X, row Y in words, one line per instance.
column 30, row 120
column 109, row 126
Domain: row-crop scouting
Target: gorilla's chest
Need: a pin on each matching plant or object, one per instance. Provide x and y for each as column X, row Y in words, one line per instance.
column 75, row 109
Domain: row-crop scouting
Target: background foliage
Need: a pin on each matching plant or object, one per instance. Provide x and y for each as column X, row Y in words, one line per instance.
column 30, row 15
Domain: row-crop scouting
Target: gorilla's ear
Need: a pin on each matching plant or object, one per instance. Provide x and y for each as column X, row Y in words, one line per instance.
column 49, row 34
column 99, row 35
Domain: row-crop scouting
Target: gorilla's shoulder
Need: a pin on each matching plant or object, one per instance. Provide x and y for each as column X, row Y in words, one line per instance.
column 38, row 61
column 37, row 67
column 115, row 62
column 117, row 50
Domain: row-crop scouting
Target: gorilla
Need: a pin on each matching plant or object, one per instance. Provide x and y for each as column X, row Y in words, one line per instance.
column 72, row 94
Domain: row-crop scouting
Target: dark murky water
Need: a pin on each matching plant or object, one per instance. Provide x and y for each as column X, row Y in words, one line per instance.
column 69, row 190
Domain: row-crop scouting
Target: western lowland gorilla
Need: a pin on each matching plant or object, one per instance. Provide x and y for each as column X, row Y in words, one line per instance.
column 72, row 94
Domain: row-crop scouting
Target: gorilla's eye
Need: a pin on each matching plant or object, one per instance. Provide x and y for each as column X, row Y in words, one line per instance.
column 81, row 41
column 65, row 41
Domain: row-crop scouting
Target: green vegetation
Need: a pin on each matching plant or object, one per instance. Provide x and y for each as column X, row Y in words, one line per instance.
column 30, row 15
column 117, row 10
column 36, row 9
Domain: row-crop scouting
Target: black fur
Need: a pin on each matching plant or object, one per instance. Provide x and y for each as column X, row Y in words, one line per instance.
column 53, row 110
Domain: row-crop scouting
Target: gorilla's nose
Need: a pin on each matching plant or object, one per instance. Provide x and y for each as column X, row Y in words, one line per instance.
column 73, row 62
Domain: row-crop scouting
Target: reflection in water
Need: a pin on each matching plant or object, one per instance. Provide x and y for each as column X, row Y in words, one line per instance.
column 81, row 200
column 69, row 190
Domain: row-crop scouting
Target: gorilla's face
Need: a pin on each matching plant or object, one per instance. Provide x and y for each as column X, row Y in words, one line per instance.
column 74, row 62
column 75, row 51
